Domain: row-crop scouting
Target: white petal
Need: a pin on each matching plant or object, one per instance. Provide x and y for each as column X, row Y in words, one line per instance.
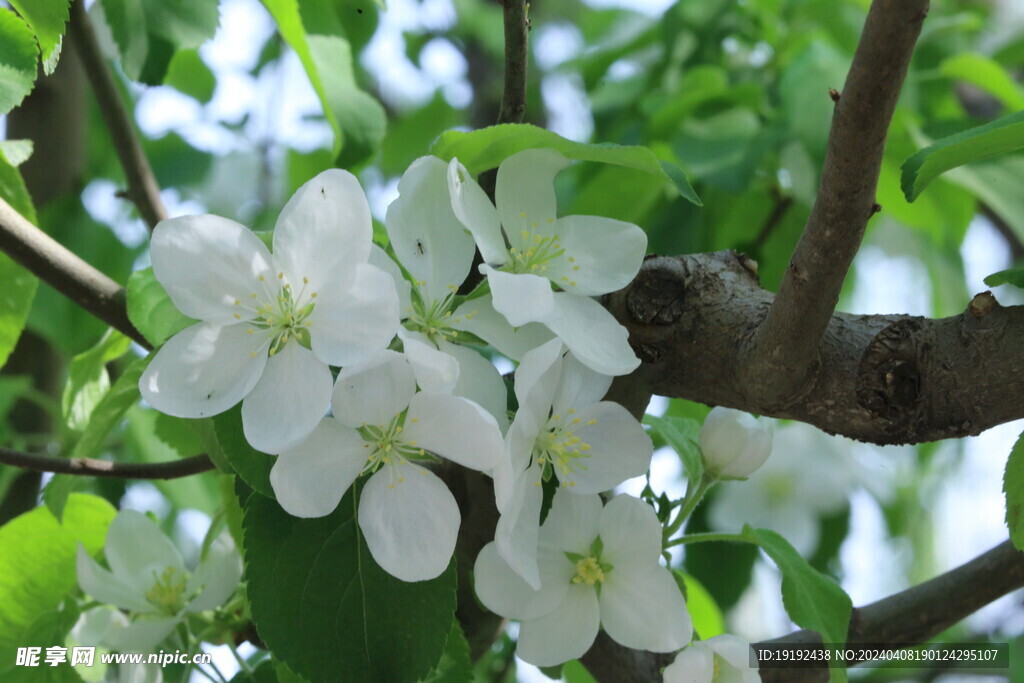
column 504, row 592
column 348, row 327
column 206, row 263
column 429, row 240
column 310, row 479
column 515, row 458
column 644, row 610
column 216, row 577
column 592, row 334
column 479, row 381
column 525, row 192
column 630, row 532
column 435, row 371
column 606, row 254
column 94, row 624
column 204, row 370
column 737, row 653
column 137, row 551
column 289, row 400
column 522, row 298
column 103, row 586
column 139, row 673
column 475, row 211
column 380, row 259
column 142, row 635
column 324, row 231
column 572, row 523
column 479, row 317
column 516, row 534
column 619, row 448
column 410, row 521
column 695, row 664
column 565, row 633
column 454, row 428
column 374, row 391
column 537, row 378
column 579, row 386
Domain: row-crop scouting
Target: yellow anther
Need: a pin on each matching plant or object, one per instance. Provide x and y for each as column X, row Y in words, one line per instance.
column 575, row 267
column 534, row 224
column 305, row 280
column 412, row 443
column 522, row 214
column 414, row 420
column 571, row 411
column 280, row 276
column 237, row 302
column 237, row 317
column 556, row 417
column 551, row 220
column 585, row 447
column 252, row 355
column 575, row 420
column 249, row 331
column 253, row 295
column 262, row 278
column 401, row 479
column 313, row 295
column 591, row 422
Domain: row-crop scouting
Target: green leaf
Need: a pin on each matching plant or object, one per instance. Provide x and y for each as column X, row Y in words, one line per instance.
column 18, row 55
column 683, row 435
column 252, row 466
column 19, row 286
column 704, row 611
column 456, row 665
column 357, row 119
column 484, row 149
column 987, row 74
column 16, row 152
column 1013, row 276
column 56, row 493
column 46, row 18
column 151, row 310
column 812, row 600
column 188, row 73
column 1001, row 136
column 149, row 32
column 110, row 409
column 574, row 672
column 37, row 566
column 88, row 380
column 1013, row 487
column 323, row 606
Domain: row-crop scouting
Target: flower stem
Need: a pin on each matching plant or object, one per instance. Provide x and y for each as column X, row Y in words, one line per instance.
column 689, row 504
column 704, row 537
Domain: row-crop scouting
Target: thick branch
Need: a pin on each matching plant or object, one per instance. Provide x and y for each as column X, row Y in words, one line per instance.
column 66, row 272
column 143, row 189
column 89, row 467
column 884, row 379
column 517, row 42
column 789, row 340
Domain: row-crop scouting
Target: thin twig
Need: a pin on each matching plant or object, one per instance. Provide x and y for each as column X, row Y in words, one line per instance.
column 89, row 467
column 517, row 42
column 782, row 205
column 65, row 271
column 143, row 189
column 783, row 352
column 1013, row 242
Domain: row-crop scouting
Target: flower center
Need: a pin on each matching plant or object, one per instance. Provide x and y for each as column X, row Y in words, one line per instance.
column 434, row 319
column 558, row 450
column 168, row 591
column 387, row 447
column 284, row 314
column 588, row 571
column 778, row 488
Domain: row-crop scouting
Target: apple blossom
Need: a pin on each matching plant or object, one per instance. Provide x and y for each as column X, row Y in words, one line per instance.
column 564, row 430
column 383, row 427
column 734, row 444
column 722, row 659
column 598, row 567
column 583, row 256
column 147, row 577
column 271, row 324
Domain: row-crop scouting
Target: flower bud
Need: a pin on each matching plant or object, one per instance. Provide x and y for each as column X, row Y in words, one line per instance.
column 734, row 444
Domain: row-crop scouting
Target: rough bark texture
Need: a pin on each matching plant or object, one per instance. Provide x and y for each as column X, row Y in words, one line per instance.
column 885, row 379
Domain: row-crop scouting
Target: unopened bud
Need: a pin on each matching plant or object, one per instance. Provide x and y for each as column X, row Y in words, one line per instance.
column 734, row 444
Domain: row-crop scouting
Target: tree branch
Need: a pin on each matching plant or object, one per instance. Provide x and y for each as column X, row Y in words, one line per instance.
column 65, row 271
column 89, row 467
column 517, row 44
column 143, row 189
column 885, row 379
column 789, row 340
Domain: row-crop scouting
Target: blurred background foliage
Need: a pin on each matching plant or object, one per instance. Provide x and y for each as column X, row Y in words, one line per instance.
column 241, row 102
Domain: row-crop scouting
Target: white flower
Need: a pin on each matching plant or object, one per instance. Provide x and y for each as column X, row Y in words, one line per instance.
column 722, row 659
column 563, row 430
column 147, row 576
column 271, row 324
column 381, row 425
column 734, row 443
column 583, row 256
column 599, row 567
column 809, row 474
column 436, row 250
